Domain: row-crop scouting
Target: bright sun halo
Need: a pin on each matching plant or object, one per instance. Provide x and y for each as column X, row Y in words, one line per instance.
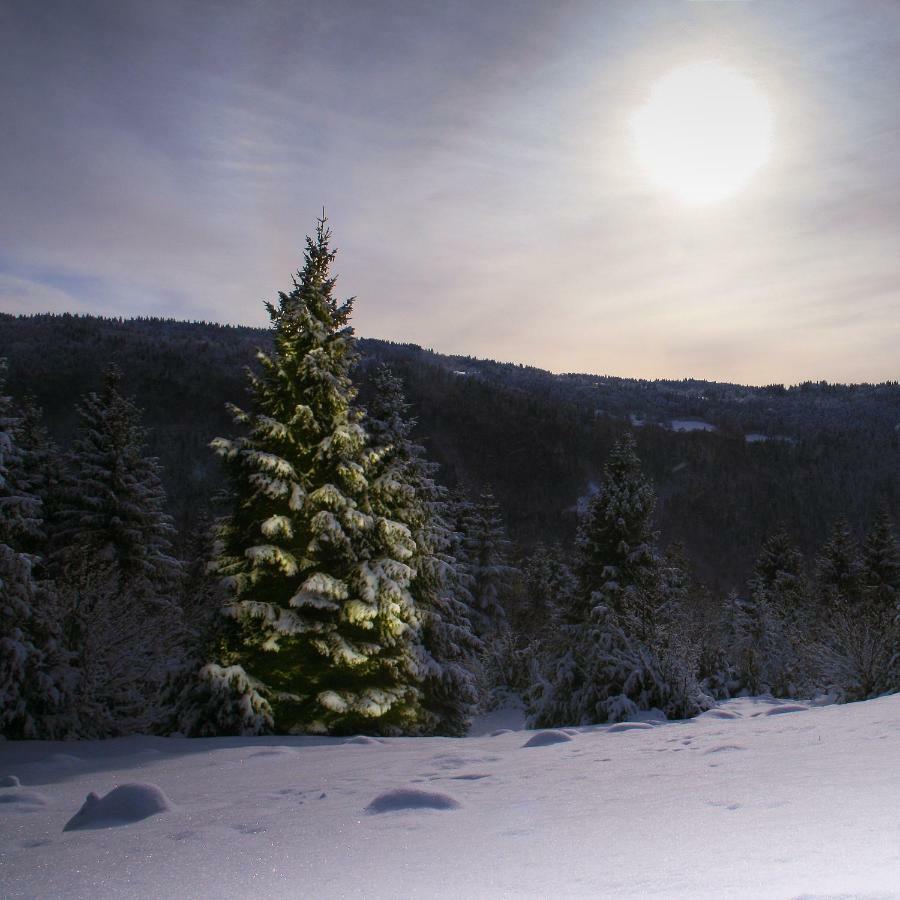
column 704, row 130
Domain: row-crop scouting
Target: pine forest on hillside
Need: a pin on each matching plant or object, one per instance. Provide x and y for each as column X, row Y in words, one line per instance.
column 375, row 553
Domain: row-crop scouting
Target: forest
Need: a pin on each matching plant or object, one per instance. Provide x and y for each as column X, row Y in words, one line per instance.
column 391, row 538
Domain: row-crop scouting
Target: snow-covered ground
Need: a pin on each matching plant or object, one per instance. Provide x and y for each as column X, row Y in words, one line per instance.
column 757, row 798
column 691, row 425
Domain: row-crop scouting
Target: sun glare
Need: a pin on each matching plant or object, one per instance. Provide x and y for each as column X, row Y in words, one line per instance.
column 704, row 130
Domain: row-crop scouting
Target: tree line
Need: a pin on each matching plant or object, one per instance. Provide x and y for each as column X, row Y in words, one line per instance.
column 344, row 589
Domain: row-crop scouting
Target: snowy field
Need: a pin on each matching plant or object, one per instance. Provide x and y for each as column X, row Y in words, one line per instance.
column 757, row 798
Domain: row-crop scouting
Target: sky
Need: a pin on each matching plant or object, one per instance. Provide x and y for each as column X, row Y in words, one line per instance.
column 477, row 164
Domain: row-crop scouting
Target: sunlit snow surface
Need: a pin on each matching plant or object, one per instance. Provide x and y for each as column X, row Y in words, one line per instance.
column 757, row 798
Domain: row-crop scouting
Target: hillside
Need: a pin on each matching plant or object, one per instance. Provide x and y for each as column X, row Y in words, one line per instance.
column 730, row 462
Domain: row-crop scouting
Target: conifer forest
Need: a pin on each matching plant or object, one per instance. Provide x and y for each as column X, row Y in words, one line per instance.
column 217, row 531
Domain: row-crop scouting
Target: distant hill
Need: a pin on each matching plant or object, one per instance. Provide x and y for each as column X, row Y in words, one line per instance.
column 730, row 462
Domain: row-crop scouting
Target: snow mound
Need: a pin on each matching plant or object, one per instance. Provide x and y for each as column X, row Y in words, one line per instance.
column 545, row 738
column 719, row 714
column 362, row 739
column 22, row 800
column 786, row 708
column 630, row 726
column 121, row 806
column 410, row 798
column 500, row 731
column 9, row 781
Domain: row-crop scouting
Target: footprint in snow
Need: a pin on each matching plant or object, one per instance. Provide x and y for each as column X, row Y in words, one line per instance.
column 472, row 777
column 723, row 748
column 545, row 738
column 188, row 835
column 409, row 798
column 255, row 828
column 275, row 751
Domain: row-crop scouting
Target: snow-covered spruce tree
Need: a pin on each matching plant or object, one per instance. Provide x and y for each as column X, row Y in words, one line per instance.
column 485, row 554
column 881, row 564
column 717, row 673
column 404, row 489
column 768, row 640
column 549, row 586
column 870, row 633
column 43, row 468
column 114, row 509
column 617, row 562
column 614, row 654
column 325, row 629
column 112, row 562
column 36, row 679
column 839, row 571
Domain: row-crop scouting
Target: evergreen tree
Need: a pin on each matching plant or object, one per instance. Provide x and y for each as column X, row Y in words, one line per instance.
column 549, row 588
column 405, row 490
column 616, row 558
column 861, row 647
column 614, row 653
column 114, row 510
column 116, row 576
column 839, row 571
column 485, row 554
column 717, row 669
column 36, row 679
column 20, row 509
column 325, row 629
column 881, row 565
column 42, row 469
column 768, row 627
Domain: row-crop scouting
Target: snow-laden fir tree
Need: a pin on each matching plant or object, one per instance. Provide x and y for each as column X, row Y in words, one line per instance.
column 36, row 680
column 114, row 509
column 549, row 586
column 116, row 576
column 852, row 643
column 325, row 628
column 716, row 670
column 21, row 520
column 839, row 570
column 485, row 555
column 613, row 654
column 617, row 561
column 43, row 469
column 881, row 564
column 766, row 629
column 404, row 489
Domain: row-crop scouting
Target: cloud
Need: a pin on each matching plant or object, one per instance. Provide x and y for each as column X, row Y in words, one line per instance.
column 475, row 162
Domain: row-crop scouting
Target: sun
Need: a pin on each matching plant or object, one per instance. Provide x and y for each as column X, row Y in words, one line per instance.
column 703, row 132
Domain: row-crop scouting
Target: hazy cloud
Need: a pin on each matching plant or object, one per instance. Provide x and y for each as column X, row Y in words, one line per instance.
column 475, row 161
